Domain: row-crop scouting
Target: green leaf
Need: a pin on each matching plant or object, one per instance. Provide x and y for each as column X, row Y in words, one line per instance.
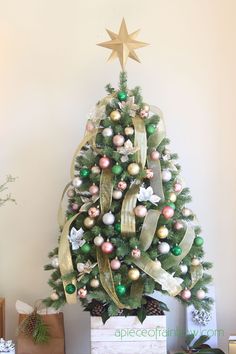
column 105, row 316
column 201, row 340
column 189, row 338
column 141, row 314
column 163, row 306
column 211, row 350
column 112, row 310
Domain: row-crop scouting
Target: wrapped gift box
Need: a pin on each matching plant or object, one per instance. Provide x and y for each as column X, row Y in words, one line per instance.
column 232, row 345
column 7, row 346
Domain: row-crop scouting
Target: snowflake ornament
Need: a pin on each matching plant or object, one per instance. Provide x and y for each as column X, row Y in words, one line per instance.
column 146, row 195
column 75, row 238
column 126, row 150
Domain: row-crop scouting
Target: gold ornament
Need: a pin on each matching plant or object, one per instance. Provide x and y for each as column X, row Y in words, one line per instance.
column 129, row 131
column 123, row 45
column 133, row 169
column 115, row 116
column 133, row 274
column 89, row 222
column 172, row 197
column 162, row 232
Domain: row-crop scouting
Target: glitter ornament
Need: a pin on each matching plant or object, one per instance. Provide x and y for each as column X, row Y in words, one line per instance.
column 89, row 222
column 70, row 288
column 177, row 187
column 121, row 289
column 133, row 169
column 94, row 283
column 54, row 296
column 93, row 189
column 107, row 247
column 164, row 248
column 98, row 240
column 186, row 294
column 155, row 155
column 84, row 172
column 136, row 253
column 176, row 250
column 133, row 274
column 118, row 140
column 122, row 185
column 82, row 293
column 167, row 212
column 117, row 194
column 93, row 212
column 122, row 96
column 55, row 262
column 104, row 162
column 115, row 264
column 200, row 294
column 115, row 116
column 162, row 232
column 166, row 175
column 129, row 131
column 108, row 218
column 107, row 132
column 70, row 193
column 77, row 182
column 140, row 211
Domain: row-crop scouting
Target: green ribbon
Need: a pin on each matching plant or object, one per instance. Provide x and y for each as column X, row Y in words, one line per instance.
column 149, row 229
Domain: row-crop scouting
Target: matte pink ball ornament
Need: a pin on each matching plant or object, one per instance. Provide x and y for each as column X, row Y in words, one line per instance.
column 70, row 193
column 93, row 189
column 200, row 294
column 82, row 293
column 118, row 140
column 107, row 247
column 93, row 212
column 155, row 155
column 140, row 211
column 178, row 225
column 75, row 206
column 168, row 212
column 177, row 187
column 122, row 185
column 104, row 162
column 186, row 294
column 136, row 253
column 115, row 264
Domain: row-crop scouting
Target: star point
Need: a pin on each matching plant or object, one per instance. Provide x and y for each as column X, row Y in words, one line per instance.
column 123, row 44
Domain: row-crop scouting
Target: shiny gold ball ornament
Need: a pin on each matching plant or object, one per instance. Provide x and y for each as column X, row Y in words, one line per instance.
column 115, row 116
column 94, row 283
column 133, row 169
column 133, row 274
column 162, row 232
column 172, row 197
column 89, row 222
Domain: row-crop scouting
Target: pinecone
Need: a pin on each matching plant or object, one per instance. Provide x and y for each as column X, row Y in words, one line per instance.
column 153, row 307
column 97, row 308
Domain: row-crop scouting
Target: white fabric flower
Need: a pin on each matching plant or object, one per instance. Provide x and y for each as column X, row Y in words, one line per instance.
column 126, row 150
column 75, row 238
column 146, row 195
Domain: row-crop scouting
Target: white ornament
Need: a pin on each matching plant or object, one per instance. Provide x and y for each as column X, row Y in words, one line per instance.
column 146, row 194
column 55, row 262
column 77, row 182
column 108, row 218
column 54, row 296
column 94, row 283
column 200, row 294
column 107, row 132
column 166, row 175
column 126, row 150
column 164, row 247
column 98, row 240
column 183, row 268
column 117, row 194
column 195, row 262
column 75, row 238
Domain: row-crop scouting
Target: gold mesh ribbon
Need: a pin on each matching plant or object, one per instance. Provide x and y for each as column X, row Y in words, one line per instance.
column 106, row 188
column 185, row 244
column 140, row 140
column 65, row 260
column 61, row 214
column 128, row 227
column 136, row 291
column 106, row 278
column 166, row 280
column 196, row 274
column 149, row 228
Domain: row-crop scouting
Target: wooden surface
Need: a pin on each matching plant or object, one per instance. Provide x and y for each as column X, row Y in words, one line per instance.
column 2, row 317
column 122, row 335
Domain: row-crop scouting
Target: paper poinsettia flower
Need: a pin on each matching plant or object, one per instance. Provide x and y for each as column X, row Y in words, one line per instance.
column 75, row 238
column 126, row 150
column 132, row 107
column 146, row 195
column 85, row 268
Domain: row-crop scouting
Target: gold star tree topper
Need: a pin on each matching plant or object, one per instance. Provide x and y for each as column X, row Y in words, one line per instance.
column 123, row 44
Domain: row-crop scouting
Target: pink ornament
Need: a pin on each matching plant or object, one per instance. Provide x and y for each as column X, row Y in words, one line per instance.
column 122, row 185
column 177, row 187
column 104, row 162
column 155, row 155
column 136, row 253
column 107, row 247
column 140, row 211
column 115, row 264
column 93, row 189
column 178, row 225
column 93, row 212
column 82, row 293
column 118, row 140
column 149, row 173
column 89, row 126
column 167, row 212
column 143, row 113
column 70, row 193
column 75, row 206
column 186, row 294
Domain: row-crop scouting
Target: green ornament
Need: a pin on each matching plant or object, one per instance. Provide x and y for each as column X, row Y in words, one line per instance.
column 120, row 289
column 172, row 205
column 84, row 172
column 122, row 96
column 198, row 241
column 86, row 248
column 70, row 288
column 176, row 250
column 151, row 128
column 117, row 227
column 117, row 170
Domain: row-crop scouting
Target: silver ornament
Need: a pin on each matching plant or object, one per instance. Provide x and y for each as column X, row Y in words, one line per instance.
column 98, row 240
column 108, row 218
column 166, row 175
column 77, row 182
column 107, row 132
column 55, row 262
column 164, row 247
column 183, row 268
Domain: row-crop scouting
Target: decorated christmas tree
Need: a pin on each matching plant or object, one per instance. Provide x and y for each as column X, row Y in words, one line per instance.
column 127, row 231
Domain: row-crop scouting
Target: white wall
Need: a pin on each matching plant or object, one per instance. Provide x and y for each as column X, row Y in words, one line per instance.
column 52, row 73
